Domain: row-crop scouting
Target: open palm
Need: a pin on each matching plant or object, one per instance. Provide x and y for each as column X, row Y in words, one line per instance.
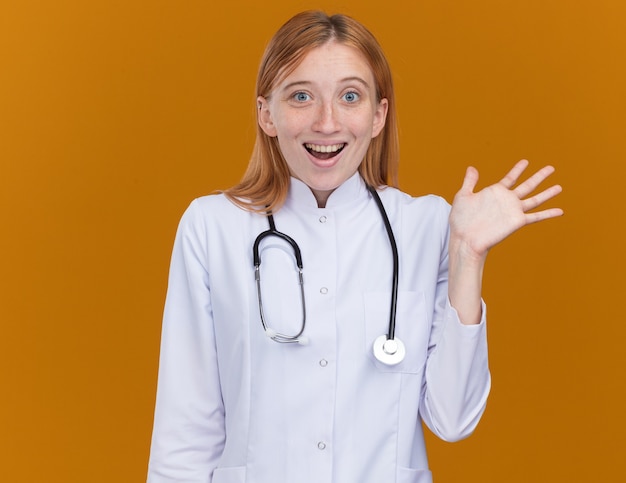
column 485, row 218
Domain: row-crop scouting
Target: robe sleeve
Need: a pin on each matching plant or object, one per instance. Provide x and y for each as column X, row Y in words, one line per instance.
column 457, row 378
column 189, row 431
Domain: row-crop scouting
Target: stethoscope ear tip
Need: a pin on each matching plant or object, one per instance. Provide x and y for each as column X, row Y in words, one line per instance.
column 272, row 334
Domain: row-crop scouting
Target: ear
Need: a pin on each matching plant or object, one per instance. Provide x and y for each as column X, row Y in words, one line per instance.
column 264, row 117
column 380, row 116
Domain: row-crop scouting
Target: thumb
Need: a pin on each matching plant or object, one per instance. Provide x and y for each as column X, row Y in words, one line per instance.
column 470, row 180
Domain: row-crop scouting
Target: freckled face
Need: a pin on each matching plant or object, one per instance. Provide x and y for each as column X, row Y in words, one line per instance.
column 324, row 114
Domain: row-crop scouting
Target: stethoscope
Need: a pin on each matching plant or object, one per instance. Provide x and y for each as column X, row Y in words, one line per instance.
column 387, row 348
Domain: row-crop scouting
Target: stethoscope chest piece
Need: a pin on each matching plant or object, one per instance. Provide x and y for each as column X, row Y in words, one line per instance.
column 389, row 351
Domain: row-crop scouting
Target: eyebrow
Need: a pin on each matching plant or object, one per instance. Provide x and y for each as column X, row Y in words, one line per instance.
column 344, row 80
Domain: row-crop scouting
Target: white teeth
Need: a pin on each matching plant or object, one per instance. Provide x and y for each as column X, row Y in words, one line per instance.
column 324, row 149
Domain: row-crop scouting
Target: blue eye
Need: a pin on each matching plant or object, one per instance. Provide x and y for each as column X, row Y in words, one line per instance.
column 351, row 97
column 301, row 96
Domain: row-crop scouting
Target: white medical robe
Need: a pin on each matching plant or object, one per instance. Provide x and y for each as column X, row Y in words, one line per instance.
column 234, row 406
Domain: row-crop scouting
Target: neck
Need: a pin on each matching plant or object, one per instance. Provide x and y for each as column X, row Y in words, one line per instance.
column 321, row 197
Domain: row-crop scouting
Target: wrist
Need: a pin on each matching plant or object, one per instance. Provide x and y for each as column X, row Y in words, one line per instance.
column 463, row 251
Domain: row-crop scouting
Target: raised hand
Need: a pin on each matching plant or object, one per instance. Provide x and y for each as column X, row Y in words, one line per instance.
column 483, row 219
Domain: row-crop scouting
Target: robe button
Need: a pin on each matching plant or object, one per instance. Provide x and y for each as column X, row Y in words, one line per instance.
column 323, row 362
column 323, row 219
column 323, row 290
column 321, row 445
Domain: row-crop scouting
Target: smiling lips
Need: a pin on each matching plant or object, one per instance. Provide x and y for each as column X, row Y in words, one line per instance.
column 324, row 152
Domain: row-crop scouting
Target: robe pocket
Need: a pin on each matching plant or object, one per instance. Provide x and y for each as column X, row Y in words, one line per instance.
column 410, row 475
column 412, row 328
column 233, row 474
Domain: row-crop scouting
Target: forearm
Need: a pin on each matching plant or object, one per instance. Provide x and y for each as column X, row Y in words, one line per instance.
column 465, row 274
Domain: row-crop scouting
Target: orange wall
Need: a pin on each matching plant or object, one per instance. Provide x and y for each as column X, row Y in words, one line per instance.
column 115, row 114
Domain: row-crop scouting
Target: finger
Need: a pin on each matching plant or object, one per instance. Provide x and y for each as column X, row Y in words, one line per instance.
column 512, row 176
column 470, row 180
column 543, row 215
column 540, row 198
column 528, row 186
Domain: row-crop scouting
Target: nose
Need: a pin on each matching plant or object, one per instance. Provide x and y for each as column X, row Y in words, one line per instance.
column 326, row 120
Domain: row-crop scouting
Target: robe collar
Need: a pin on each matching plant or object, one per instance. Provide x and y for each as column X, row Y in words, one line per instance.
column 353, row 189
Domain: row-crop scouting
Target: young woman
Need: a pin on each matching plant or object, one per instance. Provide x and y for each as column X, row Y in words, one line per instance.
column 315, row 314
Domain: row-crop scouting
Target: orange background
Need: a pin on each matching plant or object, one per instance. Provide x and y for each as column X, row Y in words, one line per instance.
column 115, row 114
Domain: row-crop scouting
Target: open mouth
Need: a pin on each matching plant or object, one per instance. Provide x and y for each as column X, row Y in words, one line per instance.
column 324, row 152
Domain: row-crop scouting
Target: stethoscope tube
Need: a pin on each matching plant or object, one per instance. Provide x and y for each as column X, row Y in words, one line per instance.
column 396, row 264
column 274, row 232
